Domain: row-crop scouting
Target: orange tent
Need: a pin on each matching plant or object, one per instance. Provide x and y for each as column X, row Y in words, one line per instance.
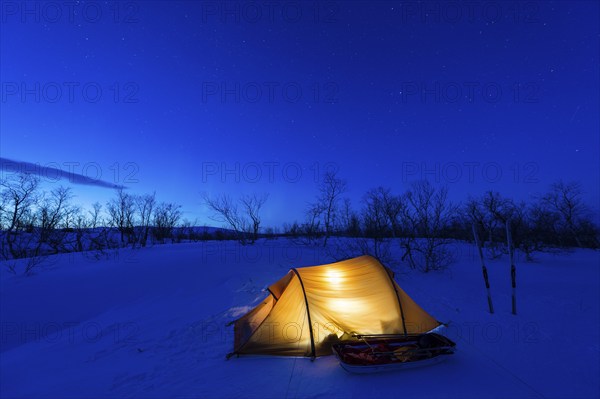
column 311, row 308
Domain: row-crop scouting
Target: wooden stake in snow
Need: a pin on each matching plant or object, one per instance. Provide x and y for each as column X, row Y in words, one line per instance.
column 484, row 269
column 513, row 269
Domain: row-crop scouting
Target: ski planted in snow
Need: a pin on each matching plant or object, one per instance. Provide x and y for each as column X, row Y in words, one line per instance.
column 513, row 268
column 484, row 269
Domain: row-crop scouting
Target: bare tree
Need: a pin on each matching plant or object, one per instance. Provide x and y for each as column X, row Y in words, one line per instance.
column 310, row 230
column 80, row 225
column 565, row 201
column 378, row 223
column 30, row 221
column 53, row 214
column 145, row 206
column 474, row 213
column 20, row 195
column 225, row 210
column 94, row 214
column 166, row 217
column 244, row 220
column 292, row 230
column 383, row 210
column 499, row 208
column 330, row 192
column 490, row 213
column 121, row 212
column 375, row 220
column 99, row 235
column 4, row 206
column 350, row 220
column 188, row 231
column 375, row 226
column 427, row 213
column 392, row 207
column 526, row 235
column 252, row 205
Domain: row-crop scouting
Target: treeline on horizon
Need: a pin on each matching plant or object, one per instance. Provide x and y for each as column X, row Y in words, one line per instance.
column 422, row 221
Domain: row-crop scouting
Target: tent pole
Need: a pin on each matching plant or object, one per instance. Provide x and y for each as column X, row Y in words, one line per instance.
column 312, row 339
column 397, row 296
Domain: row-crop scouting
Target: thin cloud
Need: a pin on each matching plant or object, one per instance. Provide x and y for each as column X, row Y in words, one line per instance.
column 53, row 173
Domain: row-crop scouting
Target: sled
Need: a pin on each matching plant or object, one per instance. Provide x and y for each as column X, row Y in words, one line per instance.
column 376, row 353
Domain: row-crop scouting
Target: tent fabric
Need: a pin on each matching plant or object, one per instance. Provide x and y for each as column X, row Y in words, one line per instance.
column 355, row 296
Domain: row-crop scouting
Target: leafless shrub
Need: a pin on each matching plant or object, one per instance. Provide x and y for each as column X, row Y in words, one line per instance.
column 20, row 194
column 121, row 213
column 570, row 216
column 244, row 219
column 225, row 210
column 145, row 207
column 426, row 215
column 11, row 267
column 166, row 217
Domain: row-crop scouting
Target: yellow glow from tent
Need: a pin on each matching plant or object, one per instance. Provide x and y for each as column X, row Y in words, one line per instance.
column 347, row 306
column 334, row 277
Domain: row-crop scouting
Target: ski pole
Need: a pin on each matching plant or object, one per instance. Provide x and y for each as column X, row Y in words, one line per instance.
column 484, row 269
column 513, row 268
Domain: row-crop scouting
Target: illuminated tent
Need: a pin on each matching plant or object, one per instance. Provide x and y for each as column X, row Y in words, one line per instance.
column 339, row 300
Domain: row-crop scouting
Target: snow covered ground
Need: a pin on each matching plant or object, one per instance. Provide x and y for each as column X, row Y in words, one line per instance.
column 151, row 323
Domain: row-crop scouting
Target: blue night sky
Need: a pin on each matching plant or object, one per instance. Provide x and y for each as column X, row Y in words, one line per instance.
column 193, row 97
